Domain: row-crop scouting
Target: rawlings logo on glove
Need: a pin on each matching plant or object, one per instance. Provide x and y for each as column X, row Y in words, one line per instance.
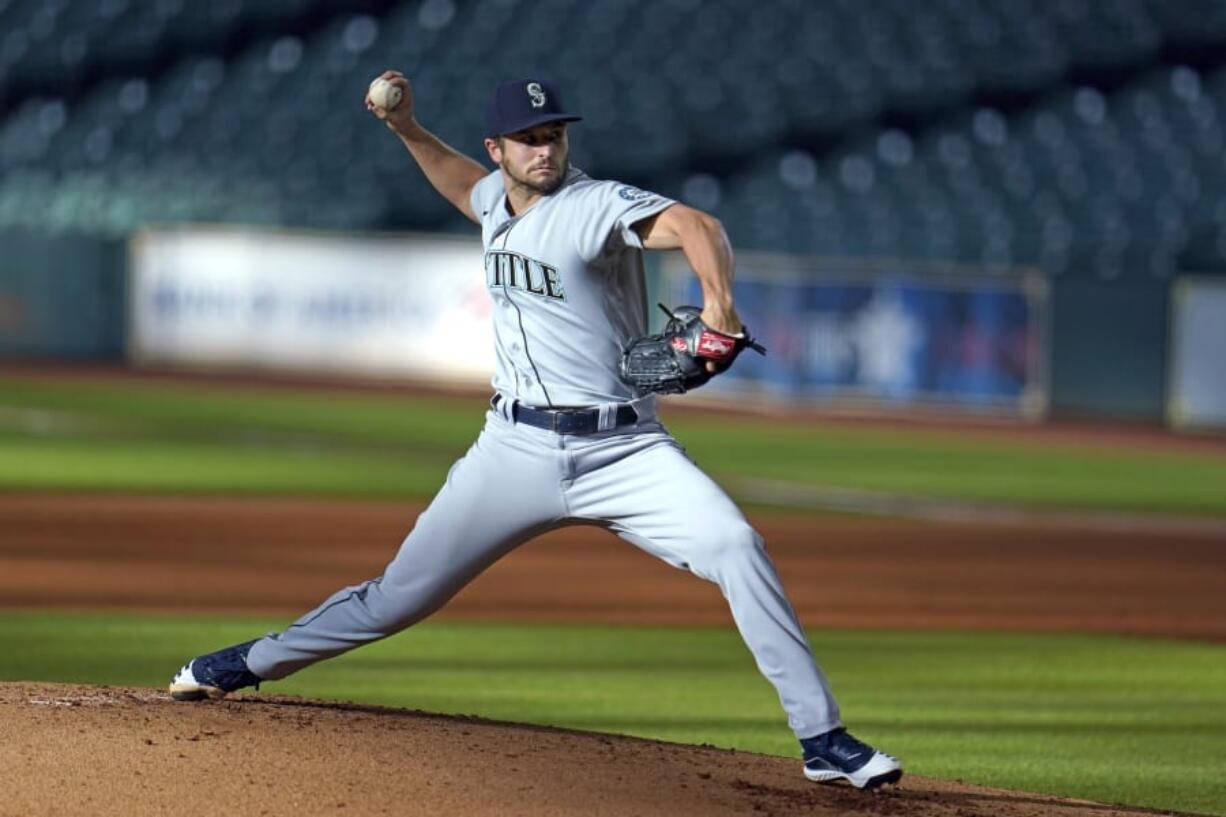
column 717, row 346
column 675, row 361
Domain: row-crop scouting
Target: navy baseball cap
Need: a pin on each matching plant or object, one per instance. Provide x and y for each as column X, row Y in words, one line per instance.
column 522, row 104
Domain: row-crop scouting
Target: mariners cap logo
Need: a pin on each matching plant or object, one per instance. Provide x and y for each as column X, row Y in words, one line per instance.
column 520, row 104
column 537, row 93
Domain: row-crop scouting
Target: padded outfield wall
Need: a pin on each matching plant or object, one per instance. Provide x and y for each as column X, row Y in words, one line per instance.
column 62, row 297
column 869, row 335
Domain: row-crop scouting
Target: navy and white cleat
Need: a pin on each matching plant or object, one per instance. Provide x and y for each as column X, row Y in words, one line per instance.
column 214, row 675
column 837, row 755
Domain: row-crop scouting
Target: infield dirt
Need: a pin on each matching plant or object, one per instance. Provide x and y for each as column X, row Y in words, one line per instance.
column 216, row 555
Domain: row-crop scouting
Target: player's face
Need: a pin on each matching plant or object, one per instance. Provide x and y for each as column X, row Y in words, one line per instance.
column 536, row 158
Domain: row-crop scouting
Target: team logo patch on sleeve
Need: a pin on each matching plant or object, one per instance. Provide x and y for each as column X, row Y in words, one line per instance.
column 632, row 193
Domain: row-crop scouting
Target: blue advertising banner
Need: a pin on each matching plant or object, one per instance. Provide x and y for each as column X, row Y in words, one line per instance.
column 887, row 338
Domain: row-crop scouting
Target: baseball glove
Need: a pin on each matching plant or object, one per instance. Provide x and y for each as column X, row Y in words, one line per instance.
column 675, row 361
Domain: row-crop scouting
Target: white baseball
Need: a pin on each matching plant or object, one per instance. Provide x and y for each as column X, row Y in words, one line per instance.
column 384, row 94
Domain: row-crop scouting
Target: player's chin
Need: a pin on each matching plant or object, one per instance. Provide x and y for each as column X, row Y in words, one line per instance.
column 547, row 180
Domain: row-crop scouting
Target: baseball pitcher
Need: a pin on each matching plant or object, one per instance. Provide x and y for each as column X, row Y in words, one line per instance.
column 571, row 435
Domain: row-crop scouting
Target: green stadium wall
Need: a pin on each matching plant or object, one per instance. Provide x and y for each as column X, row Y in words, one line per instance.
column 62, row 297
column 1108, row 348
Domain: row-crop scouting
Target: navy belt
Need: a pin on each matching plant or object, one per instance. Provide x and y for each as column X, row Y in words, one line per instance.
column 568, row 420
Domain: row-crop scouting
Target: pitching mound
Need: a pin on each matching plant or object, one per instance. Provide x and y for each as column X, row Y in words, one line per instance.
column 101, row 751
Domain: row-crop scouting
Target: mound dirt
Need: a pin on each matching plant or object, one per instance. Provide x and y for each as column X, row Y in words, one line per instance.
column 102, row 751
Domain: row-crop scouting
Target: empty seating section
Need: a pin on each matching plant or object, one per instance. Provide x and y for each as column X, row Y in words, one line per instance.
column 1072, row 136
column 1079, row 179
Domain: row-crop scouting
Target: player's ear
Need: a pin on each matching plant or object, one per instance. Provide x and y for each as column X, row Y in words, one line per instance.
column 494, row 148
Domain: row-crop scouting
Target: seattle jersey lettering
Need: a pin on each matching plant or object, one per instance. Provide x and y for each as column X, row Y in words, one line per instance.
column 509, row 269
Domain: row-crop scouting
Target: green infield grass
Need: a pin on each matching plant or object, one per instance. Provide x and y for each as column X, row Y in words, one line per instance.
column 115, row 435
column 1114, row 719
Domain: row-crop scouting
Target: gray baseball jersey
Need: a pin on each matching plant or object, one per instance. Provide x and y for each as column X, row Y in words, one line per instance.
column 566, row 278
column 567, row 282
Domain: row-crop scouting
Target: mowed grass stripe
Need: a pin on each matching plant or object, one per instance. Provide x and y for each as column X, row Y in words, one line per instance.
column 168, row 466
column 1114, row 719
column 108, row 433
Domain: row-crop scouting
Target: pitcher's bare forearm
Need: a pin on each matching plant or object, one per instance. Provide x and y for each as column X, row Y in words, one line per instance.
column 452, row 173
column 702, row 239
column 707, row 249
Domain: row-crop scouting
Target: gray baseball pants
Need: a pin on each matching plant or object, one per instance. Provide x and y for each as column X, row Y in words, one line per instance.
column 516, row 482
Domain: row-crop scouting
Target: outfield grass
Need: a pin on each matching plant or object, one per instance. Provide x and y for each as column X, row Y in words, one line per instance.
column 1114, row 719
column 133, row 436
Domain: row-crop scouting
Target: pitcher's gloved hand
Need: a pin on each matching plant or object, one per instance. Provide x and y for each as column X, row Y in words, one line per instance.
column 675, row 361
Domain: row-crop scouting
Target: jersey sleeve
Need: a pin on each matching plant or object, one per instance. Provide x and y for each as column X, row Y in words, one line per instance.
column 613, row 209
column 485, row 193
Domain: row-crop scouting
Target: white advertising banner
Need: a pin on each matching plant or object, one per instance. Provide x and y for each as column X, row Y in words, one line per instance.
column 1197, row 393
column 364, row 305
